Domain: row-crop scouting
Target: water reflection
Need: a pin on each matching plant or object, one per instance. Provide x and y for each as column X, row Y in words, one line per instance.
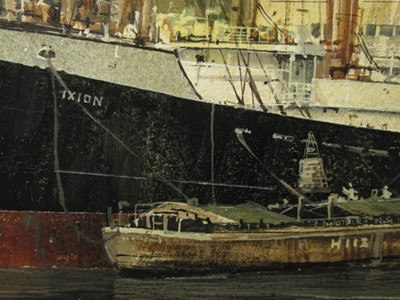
column 56, row 284
column 326, row 283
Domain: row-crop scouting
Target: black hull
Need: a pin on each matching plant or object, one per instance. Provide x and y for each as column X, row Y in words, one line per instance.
column 168, row 136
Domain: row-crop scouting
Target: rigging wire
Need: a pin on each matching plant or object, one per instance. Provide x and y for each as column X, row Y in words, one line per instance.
column 61, row 195
column 63, row 84
column 240, row 101
column 366, row 51
column 269, row 84
column 223, row 10
column 242, row 82
column 212, row 152
column 239, row 186
column 252, row 83
column 269, row 19
column 202, row 8
column 239, row 133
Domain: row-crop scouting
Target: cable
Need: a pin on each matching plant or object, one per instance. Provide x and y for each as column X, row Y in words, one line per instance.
column 212, row 152
column 63, row 84
column 239, row 186
column 61, row 195
column 239, row 133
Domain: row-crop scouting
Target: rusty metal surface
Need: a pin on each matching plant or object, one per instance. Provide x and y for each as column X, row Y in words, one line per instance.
column 159, row 251
column 47, row 239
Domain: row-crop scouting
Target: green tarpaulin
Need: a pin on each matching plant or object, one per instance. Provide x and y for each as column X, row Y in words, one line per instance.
column 372, row 207
column 249, row 212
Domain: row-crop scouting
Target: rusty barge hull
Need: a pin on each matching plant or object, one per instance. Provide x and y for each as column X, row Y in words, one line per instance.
column 155, row 251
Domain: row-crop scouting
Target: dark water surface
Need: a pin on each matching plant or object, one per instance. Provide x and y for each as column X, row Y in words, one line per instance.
column 324, row 283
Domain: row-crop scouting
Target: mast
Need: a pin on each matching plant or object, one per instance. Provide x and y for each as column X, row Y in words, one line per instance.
column 342, row 20
column 253, row 12
column 248, row 12
column 144, row 30
column 234, row 15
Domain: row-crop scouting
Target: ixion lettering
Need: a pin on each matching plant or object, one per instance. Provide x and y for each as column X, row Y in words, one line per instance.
column 82, row 97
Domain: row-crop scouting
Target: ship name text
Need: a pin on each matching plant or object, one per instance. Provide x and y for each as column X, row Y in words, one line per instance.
column 354, row 221
column 82, row 97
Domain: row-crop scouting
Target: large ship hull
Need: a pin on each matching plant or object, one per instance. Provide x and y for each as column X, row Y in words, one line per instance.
column 118, row 140
column 167, row 138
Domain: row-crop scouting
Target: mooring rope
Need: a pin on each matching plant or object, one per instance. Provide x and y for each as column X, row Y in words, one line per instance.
column 239, row 186
column 212, row 152
column 239, row 133
column 61, row 195
column 114, row 136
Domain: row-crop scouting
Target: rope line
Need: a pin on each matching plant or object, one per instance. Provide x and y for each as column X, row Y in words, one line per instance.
column 240, row 186
column 61, row 195
column 212, row 152
column 64, row 85
column 239, row 133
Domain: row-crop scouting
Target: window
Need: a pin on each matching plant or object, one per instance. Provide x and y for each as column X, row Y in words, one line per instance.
column 315, row 30
column 386, row 30
column 370, row 30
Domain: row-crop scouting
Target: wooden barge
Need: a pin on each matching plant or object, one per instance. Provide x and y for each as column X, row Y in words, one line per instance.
column 207, row 246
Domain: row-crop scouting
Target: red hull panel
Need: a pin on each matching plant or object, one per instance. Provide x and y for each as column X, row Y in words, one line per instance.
column 48, row 239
